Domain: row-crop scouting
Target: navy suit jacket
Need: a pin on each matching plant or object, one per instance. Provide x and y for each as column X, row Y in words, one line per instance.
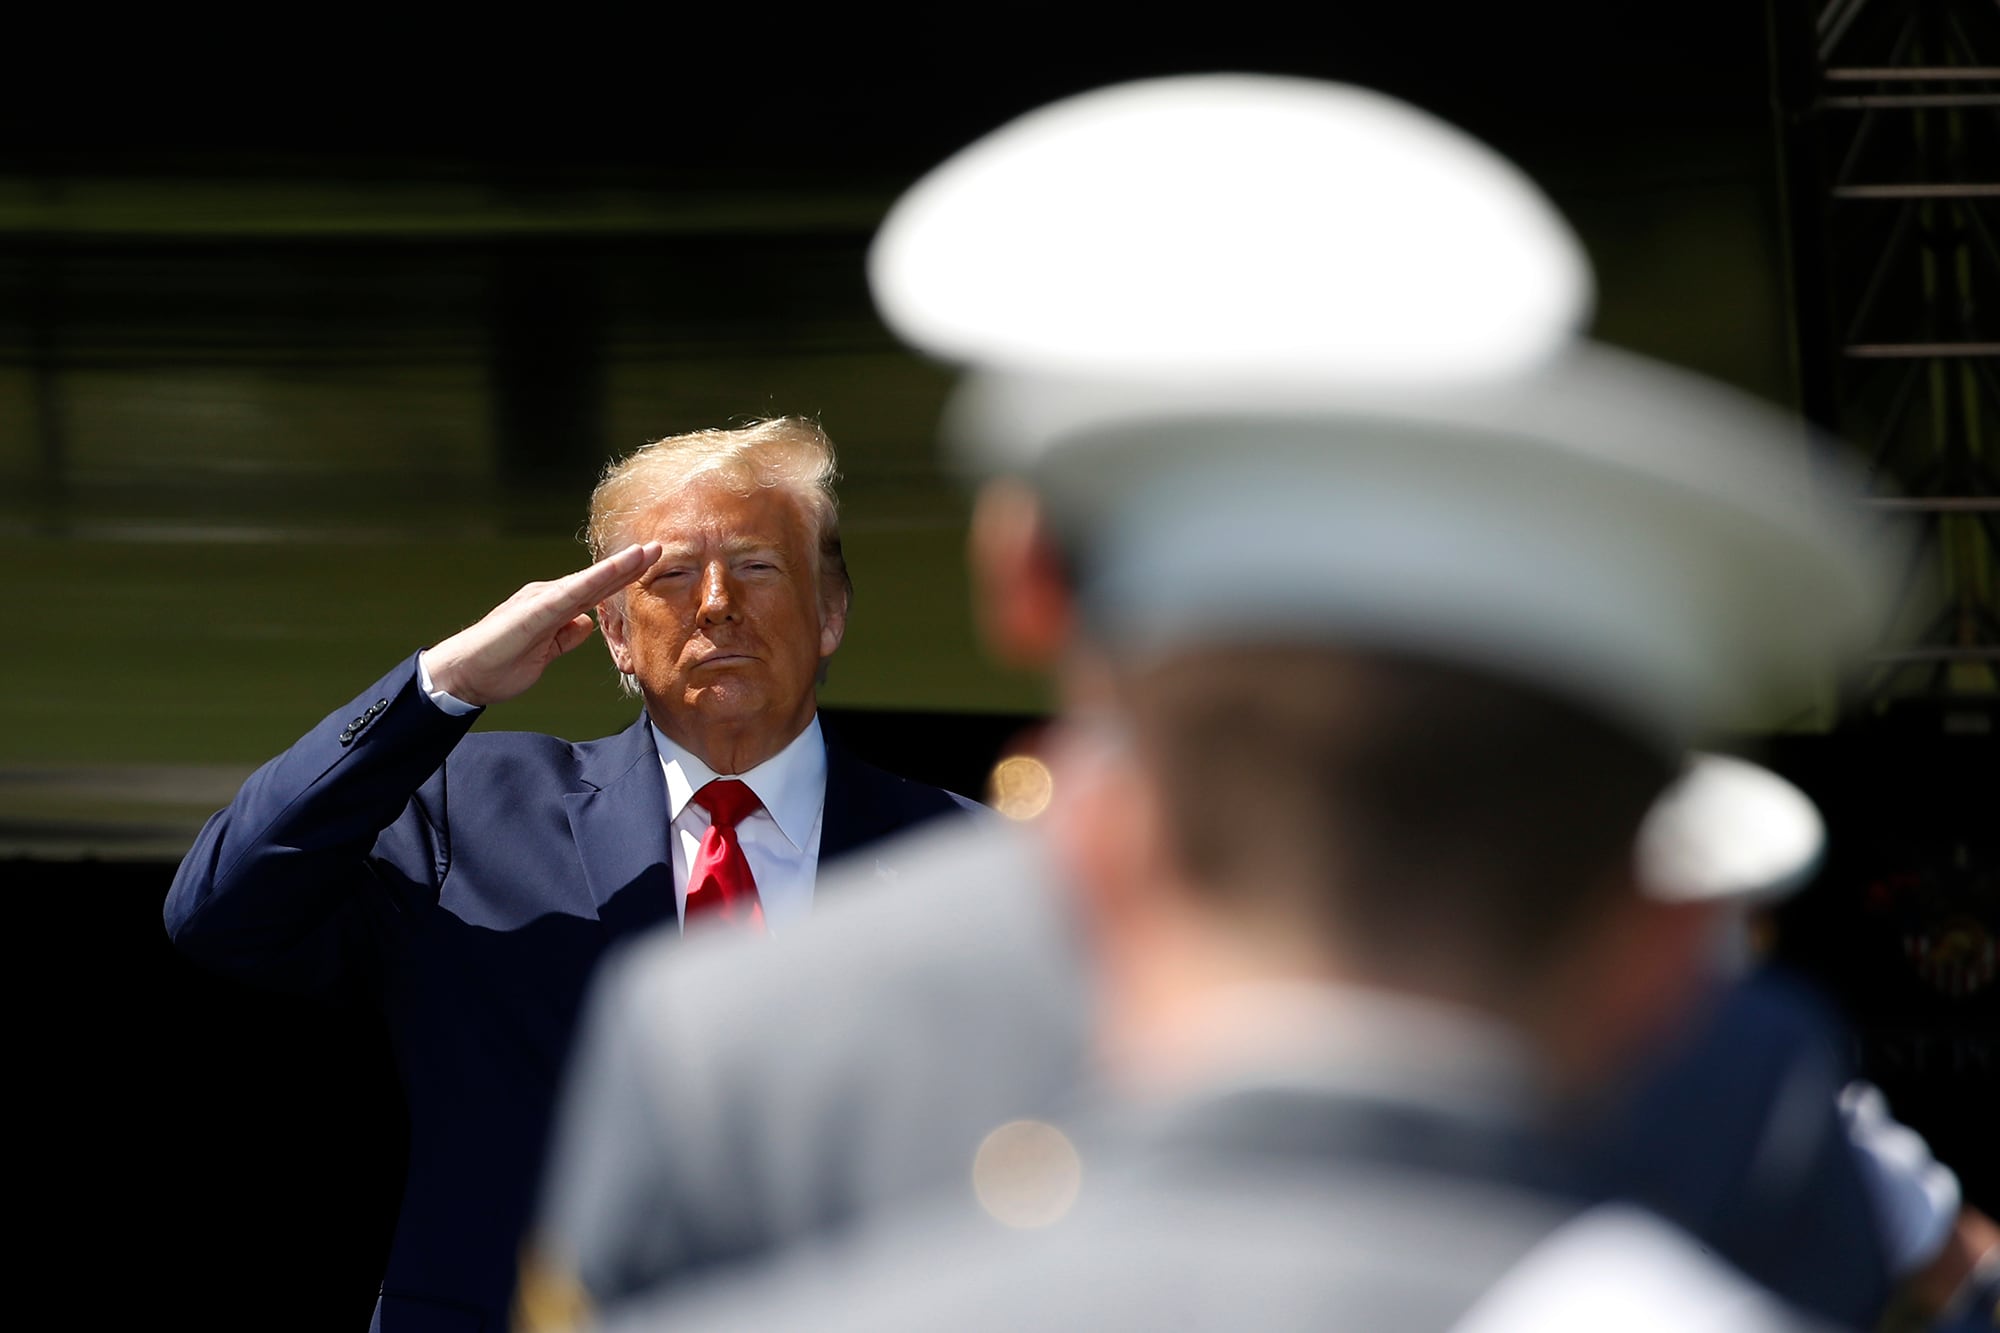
column 467, row 885
column 1735, row 1134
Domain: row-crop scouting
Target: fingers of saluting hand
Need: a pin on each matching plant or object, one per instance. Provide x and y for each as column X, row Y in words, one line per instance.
column 577, row 593
column 556, row 614
column 506, row 651
column 573, row 595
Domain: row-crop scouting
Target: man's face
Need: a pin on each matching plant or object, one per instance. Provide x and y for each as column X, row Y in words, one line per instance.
column 725, row 634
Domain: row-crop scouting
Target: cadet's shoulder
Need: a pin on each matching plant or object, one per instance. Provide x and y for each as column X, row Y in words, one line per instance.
column 1622, row 1267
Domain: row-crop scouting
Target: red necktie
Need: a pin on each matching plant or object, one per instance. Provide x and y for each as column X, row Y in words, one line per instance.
column 720, row 887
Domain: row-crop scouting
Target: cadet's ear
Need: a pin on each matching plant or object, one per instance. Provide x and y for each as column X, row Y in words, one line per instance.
column 1106, row 826
column 1021, row 591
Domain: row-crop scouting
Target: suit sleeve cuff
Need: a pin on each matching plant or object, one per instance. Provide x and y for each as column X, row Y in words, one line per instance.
column 449, row 702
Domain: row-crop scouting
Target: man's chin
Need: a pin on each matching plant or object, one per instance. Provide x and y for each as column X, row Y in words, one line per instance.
column 728, row 696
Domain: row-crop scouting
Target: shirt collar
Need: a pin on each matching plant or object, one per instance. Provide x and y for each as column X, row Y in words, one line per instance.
column 791, row 783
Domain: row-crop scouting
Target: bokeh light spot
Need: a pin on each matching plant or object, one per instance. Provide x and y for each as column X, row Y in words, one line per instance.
column 1021, row 787
column 1027, row 1174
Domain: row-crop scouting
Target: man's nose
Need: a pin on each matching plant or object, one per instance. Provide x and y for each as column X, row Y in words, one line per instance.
column 717, row 602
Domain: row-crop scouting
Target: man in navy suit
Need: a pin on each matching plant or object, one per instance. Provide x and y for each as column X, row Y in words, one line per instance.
column 468, row 883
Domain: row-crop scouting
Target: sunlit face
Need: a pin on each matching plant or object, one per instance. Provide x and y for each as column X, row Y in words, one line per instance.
column 727, row 630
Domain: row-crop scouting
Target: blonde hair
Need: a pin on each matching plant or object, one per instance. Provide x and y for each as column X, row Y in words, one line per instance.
column 788, row 452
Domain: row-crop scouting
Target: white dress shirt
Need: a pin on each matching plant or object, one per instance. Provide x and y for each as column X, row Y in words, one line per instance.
column 781, row 841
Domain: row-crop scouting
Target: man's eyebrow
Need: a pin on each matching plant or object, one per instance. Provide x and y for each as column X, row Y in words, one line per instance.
column 686, row 552
column 674, row 553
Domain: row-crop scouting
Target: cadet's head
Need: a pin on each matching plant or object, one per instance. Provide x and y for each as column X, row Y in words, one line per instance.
column 1137, row 233
column 1401, row 601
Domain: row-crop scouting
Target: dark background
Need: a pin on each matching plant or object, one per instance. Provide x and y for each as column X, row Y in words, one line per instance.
column 199, row 1153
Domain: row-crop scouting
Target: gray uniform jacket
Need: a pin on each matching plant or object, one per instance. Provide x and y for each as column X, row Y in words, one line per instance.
column 782, row 1133
column 729, row 1096
column 1377, row 1181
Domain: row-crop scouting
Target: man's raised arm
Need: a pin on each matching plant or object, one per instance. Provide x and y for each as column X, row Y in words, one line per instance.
column 266, row 890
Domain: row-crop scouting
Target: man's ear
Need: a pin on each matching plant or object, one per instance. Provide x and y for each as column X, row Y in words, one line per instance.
column 611, row 620
column 832, row 622
column 1021, row 592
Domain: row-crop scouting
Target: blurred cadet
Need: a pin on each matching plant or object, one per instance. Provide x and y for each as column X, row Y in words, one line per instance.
column 1385, row 610
column 1750, row 1129
column 466, row 884
column 1944, row 1251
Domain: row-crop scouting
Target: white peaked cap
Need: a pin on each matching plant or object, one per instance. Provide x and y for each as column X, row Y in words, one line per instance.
column 1729, row 830
column 1144, row 228
column 1291, row 361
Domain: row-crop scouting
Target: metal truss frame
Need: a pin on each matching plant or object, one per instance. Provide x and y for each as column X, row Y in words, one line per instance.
column 1889, row 115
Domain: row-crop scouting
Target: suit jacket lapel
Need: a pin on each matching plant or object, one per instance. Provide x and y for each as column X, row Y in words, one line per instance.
column 860, row 805
column 619, row 822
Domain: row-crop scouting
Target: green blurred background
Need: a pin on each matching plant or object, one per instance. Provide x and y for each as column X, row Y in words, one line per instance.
column 298, row 375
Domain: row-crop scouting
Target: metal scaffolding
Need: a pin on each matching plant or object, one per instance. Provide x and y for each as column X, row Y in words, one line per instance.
column 1890, row 121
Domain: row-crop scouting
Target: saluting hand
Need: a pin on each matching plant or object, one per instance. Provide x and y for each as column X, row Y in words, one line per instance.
column 507, row 651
